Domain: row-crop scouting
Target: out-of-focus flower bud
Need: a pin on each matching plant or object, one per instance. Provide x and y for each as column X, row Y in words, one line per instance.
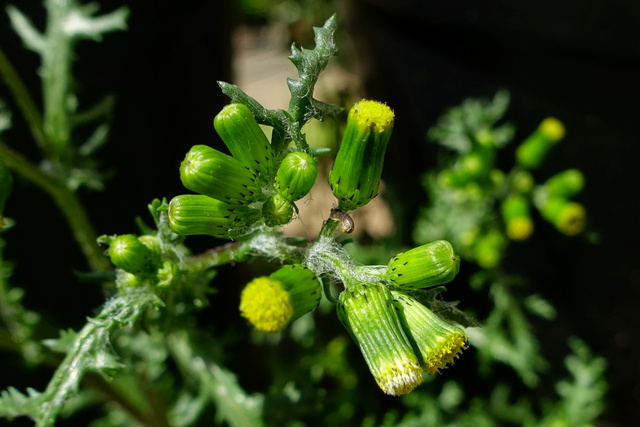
column 488, row 248
column 565, row 184
column 532, row 151
column 568, row 217
column 517, row 217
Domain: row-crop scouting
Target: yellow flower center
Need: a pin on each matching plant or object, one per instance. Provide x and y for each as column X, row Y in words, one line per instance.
column 266, row 304
column 373, row 114
column 552, row 128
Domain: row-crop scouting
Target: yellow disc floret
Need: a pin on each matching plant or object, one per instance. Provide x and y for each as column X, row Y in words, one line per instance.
column 448, row 349
column 552, row 128
column 373, row 113
column 266, row 304
column 520, row 228
column 572, row 219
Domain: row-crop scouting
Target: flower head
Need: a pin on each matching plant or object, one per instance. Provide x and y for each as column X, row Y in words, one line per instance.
column 271, row 303
column 366, row 310
column 533, row 150
column 436, row 342
column 357, row 169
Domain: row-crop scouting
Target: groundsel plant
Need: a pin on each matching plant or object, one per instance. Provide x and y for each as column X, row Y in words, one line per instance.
column 244, row 196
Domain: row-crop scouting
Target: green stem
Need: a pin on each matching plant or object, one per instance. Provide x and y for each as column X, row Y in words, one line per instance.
column 225, row 254
column 56, row 81
column 67, row 201
column 25, row 102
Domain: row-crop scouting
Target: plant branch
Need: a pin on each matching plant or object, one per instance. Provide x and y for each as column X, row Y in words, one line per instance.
column 67, row 201
column 24, row 100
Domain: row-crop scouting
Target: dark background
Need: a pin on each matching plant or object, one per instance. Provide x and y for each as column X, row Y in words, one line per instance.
column 578, row 61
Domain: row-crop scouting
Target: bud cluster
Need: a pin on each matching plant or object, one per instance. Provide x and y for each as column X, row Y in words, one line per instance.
column 235, row 191
column 139, row 261
column 399, row 337
column 471, row 186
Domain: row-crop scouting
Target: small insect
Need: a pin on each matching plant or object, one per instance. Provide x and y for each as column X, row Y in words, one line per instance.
column 346, row 222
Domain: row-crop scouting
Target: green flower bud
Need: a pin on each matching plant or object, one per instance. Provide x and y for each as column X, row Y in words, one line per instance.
column 565, row 184
column 245, row 140
column 476, row 164
column 168, row 275
column 131, row 255
column 191, row 214
column 5, row 189
column 305, row 290
column 428, row 265
column 488, row 248
column 368, row 313
column 522, row 182
column 214, row 174
column 531, row 152
column 271, row 303
column 296, row 175
column 517, row 218
column 356, row 172
column 568, row 217
column 152, row 243
column 437, row 343
column 277, row 211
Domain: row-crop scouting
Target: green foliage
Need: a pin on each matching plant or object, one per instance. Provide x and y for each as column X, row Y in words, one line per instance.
column 145, row 358
column 481, row 208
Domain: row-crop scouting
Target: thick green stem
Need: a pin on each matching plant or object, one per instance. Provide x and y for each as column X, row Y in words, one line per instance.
column 56, row 72
column 67, row 201
column 231, row 252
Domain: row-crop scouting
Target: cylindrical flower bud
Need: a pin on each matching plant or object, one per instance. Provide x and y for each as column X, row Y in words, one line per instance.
column 196, row 214
column 488, row 248
column 367, row 312
column 212, row 173
column 531, row 152
column 522, row 182
column 568, row 217
column 565, row 184
column 428, row 265
column 357, row 169
column 296, row 175
column 517, row 218
column 277, row 211
column 437, row 343
column 245, row 140
column 131, row 255
column 271, row 303
column 476, row 163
